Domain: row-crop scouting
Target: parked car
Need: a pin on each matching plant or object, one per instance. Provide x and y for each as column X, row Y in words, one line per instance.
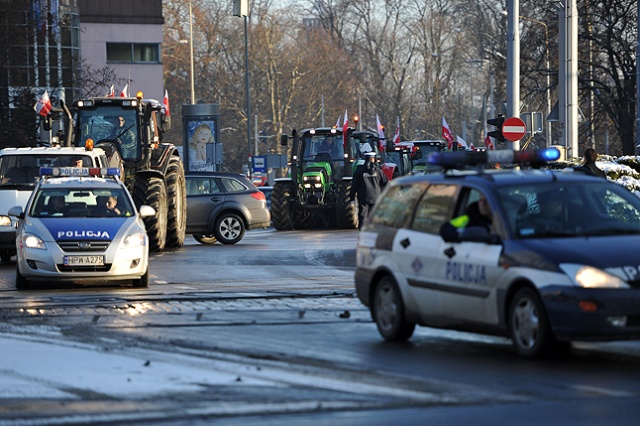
column 222, row 206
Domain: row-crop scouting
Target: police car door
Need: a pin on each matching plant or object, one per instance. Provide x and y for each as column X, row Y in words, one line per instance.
column 469, row 271
column 418, row 249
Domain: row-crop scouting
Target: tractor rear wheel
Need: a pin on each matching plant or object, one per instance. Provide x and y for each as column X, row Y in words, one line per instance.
column 177, row 200
column 281, row 209
column 151, row 191
column 346, row 212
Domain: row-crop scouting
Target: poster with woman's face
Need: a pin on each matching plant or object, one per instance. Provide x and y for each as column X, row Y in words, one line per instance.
column 201, row 137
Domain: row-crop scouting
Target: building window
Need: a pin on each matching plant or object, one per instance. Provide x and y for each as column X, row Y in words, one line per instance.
column 133, row 53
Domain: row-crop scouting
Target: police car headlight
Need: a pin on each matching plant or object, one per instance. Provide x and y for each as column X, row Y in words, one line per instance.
column 590, row 277
column 134, row 240
column 33, row 241
column 5, row 221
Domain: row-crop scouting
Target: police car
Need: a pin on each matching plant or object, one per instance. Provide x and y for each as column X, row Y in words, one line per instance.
column 560, row 261
column 71, row 231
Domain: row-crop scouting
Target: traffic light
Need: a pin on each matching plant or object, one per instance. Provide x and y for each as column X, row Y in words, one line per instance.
column 497, row 122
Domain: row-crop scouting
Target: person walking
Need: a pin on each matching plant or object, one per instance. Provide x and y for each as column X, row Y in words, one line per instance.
column 368, row 182
column 589, row 167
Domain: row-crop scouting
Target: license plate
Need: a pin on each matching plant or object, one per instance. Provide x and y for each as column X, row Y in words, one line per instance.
column 83, row 260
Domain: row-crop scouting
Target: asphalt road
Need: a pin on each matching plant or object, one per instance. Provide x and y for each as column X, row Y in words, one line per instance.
column 268, row 331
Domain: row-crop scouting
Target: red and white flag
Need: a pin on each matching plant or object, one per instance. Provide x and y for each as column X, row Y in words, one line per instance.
column 383, row 141
column 446, row 133
column 396, row 137
column 461, row 142
column 338, row 121
column 165, row 103
column 112, row 92
column 43, row 106
column 125, row 91
column 488, row 143
column 345, row 127
column 472, row 147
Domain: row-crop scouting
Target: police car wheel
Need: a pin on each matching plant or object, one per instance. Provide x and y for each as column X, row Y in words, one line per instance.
column 528, row 324
column 205, row 239
column 229, row 228
column 388, row 311
column 21, row 282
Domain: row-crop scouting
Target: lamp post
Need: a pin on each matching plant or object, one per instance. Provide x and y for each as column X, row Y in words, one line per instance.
column 193, row 91
column 546, row 40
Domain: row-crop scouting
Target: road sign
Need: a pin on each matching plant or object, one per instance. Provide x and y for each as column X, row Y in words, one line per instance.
column 513, row 129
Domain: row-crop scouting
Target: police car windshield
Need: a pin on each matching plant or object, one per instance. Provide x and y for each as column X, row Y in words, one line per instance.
column 570, row 210
column 81, row 202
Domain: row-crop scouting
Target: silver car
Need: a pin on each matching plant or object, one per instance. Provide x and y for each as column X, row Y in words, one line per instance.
column 81, row 228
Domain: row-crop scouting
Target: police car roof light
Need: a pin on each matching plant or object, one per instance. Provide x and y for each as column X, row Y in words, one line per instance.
column 78, row 171
column 474, row 158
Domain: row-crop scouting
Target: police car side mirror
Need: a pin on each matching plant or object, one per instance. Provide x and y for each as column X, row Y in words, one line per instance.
column 478, row 234
column 16, row 211
column 146, row 211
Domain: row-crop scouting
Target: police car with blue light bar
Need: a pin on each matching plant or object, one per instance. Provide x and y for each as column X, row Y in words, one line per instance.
column 543, row 257
column 81, row 224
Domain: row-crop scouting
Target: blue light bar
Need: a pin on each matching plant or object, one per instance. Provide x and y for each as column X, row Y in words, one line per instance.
column 474, row 158
column 78, row 171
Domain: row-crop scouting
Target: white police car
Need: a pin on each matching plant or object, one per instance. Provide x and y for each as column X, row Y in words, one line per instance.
column 560, row 261
column 71, row 231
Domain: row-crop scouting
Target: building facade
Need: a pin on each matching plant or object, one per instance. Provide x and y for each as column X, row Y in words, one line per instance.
column 125, row 36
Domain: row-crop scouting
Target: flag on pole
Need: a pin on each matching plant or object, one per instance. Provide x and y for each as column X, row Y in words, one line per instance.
column 338, row 121
column 462, row 142
column 383, row 142
column 446, row 133
column 125, row 91
column 43, row 106
column 488, row 143
column 396, row 137
column 111, row 92
column 472, row 147
column 165, row 103
column 345, row 127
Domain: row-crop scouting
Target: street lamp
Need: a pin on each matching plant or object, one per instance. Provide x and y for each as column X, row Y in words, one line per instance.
column 193, row 91
column 546, row 41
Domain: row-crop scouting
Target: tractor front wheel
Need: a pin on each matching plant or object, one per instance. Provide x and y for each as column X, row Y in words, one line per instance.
column 281, row 209
column 151, row 191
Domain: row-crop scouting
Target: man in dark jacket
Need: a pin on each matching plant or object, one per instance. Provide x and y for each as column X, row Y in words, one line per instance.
column 368, row 182
column 589, row 167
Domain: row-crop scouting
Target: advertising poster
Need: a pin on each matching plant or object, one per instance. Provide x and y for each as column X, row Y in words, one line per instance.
column 201, row 137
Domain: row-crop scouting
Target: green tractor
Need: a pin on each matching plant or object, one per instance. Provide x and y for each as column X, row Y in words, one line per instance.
column 316, row 194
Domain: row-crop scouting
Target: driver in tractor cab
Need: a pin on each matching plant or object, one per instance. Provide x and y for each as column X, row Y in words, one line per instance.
column 330, row 146
column 124, row 135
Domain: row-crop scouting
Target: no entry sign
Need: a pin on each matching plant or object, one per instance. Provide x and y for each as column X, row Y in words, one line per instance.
column 513, row 129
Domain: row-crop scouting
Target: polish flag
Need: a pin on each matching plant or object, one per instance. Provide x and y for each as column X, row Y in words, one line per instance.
column 165, row 103
column 472, row 147
column 396, row 137
column 446, row 133
column 125, row 91
column 112, row 92
column 345, row 127
column 383, row 142
column 43, row 106
column 338, row 121
column 488, row 144
column 462, row 142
